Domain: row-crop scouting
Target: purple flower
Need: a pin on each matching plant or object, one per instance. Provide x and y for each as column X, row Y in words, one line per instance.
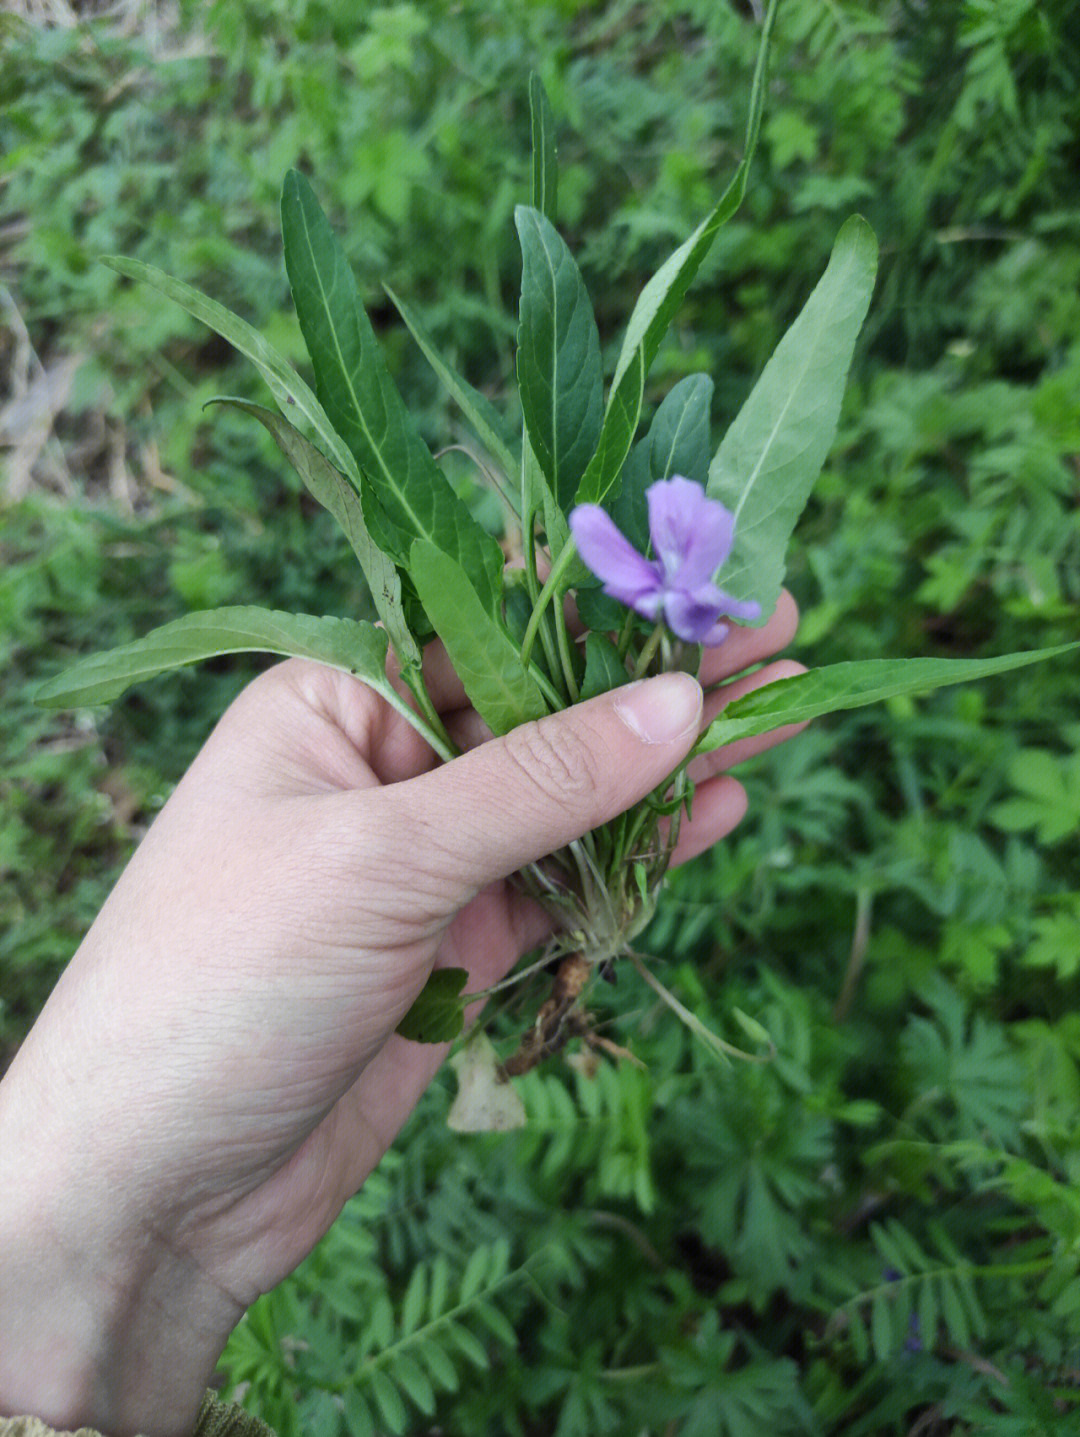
column 691, row 537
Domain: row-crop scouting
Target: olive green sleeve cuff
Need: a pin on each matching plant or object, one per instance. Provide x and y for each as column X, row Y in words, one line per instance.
column 216, row 1419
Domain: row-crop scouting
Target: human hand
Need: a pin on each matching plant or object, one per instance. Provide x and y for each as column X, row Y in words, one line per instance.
column 217, row 1071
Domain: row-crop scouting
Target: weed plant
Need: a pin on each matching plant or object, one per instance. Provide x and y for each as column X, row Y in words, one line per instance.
column 878, row 1231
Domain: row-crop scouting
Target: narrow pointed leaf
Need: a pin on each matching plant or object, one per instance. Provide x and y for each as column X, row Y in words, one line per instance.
column 438, row 1360
column 679, row 437
column 604, row 670
column 356, row 647
column 287, row 387
column 389, row 1401
column 545, row 167
column 334, row 492
column 850, row 686
column 771, row 456
column 617, row 433
column 660, row 299
column 881, row 1327
column 559, row 373
column 413, row 1381
column 478, row 410
column 363, row 402
column 677, row 443
column 483, row 655
column 357, row 1414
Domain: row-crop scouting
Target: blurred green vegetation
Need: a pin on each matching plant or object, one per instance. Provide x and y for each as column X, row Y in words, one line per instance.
column 878, row 1231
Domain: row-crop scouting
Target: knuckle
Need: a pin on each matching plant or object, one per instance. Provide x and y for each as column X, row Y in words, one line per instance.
column 563, row 762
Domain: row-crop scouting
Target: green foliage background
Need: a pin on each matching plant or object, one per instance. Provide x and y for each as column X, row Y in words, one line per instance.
column 879, row 1230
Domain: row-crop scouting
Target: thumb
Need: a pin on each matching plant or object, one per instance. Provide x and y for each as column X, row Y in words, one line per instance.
column 517, row 798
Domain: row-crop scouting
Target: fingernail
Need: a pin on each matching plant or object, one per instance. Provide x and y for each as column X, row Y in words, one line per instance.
column 660, row 710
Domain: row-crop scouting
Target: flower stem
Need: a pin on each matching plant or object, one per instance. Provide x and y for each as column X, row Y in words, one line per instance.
column 565, row 654
column 528, row 545
column 550, row 692
column 645, row 658
column 428, row 724
column 558, row 569
column 626, row 634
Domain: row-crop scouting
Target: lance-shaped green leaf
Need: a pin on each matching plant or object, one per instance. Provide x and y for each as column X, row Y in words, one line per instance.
column 289, row 390
column 483, row 655
column 771, row 456
column 679, row 436
column 559, row 373
column 617, row 432
column 334, row 492
column 604, row 670
column 545, row 167
column 479, row 411
column 350, row 644
column 677, row 443
column 850, row 686
column 659, row 300
column 363, row 402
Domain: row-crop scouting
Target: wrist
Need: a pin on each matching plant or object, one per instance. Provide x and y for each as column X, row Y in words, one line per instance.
column 104, row 1322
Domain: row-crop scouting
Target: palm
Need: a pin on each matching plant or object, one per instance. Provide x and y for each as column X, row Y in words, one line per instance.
column 312, row 1122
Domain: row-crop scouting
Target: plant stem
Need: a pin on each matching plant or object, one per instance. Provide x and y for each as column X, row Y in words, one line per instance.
column 860, row 940
column 428, row 724
column 495, row 479
column 565, row 655
column 528, row 545
column 558, row 569
column 652, row 643
column 550, row 692
column 528, row 549
column 716, row 1045
column 551, row 952
column 679, row 792
column 626, row 634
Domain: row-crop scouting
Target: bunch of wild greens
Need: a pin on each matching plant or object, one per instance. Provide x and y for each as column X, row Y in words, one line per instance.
column 638, row 528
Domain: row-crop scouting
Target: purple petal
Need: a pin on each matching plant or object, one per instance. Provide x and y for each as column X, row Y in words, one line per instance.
column 627, row 575
column 716, row 635
column 739, row 608
column 694, row 614
column 689, row 618
column 691, row 533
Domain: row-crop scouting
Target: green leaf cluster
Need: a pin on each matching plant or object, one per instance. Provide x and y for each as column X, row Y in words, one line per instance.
column 881, row 852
